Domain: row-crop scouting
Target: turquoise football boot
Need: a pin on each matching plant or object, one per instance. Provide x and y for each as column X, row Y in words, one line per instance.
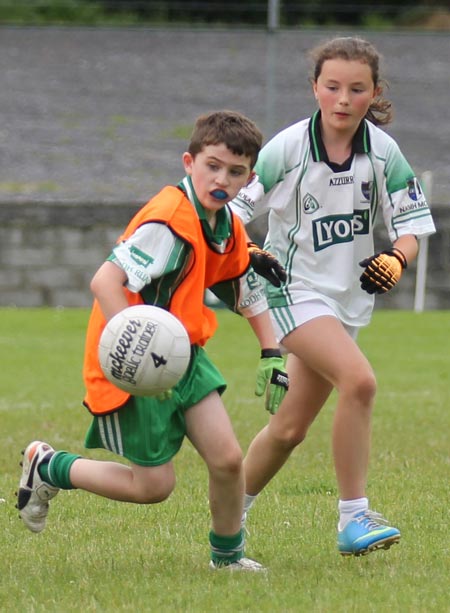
column 366, row 532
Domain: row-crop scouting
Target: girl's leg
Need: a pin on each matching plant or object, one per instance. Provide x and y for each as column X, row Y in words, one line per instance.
column 322, row 356
column 273, row 445
column 210, row 431
column 325, row 347
column 325, row 356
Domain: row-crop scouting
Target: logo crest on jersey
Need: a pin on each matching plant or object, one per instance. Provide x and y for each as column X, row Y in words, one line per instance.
column 366, row 189
column 310, row 204
column 414, row 189
column 336, row 229
column 252, row 280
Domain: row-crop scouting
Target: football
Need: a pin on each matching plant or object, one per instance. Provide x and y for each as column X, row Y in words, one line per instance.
column 144, row 350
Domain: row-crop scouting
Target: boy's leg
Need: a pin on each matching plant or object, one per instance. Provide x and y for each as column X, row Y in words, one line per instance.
column 134, row 483
column 141, row 431
column 45, row 471
column 35, row 491
column 209, row 429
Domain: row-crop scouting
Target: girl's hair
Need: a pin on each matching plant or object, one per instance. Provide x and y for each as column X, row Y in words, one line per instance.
column 230, row 128
column 353, row 48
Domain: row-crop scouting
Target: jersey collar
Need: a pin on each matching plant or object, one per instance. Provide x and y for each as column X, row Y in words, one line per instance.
column 222, row 231
column 360, row 144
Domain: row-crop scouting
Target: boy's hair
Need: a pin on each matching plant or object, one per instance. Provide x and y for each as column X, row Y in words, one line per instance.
column 238, row 133
column 352, row 48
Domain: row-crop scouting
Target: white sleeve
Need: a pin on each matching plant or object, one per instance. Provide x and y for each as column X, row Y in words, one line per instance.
column 278, row 157
column 147, row 254
column 408, row 212
column 405, row 209
column 244, row 203
column 252, row 297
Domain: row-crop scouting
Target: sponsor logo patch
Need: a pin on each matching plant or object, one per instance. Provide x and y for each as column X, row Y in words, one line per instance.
column 140, row 257
column 335, row 229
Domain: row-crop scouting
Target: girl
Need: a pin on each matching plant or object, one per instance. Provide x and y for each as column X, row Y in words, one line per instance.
column 323, row 181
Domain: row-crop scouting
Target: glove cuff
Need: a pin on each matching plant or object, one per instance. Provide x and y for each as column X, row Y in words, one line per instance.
column 270, row 353
column 399, row 255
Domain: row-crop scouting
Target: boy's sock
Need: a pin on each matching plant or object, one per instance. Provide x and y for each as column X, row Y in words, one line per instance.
column 226, row 549
column 56, row 472
column 348, row 508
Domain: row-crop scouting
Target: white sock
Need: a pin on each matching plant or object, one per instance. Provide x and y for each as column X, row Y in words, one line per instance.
column 349, row 508
column 248, row 501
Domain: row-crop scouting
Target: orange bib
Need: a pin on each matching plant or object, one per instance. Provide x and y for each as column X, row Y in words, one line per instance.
column 205, row 268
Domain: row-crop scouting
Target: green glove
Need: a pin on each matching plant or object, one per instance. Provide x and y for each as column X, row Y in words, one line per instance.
column 271, row 379
column 167, row 395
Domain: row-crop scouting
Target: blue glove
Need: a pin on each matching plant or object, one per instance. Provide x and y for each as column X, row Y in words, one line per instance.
column 271, row 379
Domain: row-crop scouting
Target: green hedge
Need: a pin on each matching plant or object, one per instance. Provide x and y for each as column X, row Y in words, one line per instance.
column 201, row 12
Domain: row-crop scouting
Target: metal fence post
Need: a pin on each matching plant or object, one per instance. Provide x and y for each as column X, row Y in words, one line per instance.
column 273, row 15
column 426, row 181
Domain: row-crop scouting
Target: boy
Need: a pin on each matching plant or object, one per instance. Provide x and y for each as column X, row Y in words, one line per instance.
column 183, row 241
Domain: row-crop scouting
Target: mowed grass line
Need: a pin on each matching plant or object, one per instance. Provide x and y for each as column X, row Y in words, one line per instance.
column 99, row 555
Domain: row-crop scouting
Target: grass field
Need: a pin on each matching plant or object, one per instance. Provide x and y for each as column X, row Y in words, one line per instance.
column 98, row 555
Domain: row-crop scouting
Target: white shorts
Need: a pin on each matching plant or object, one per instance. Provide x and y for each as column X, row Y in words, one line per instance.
column 288, row 318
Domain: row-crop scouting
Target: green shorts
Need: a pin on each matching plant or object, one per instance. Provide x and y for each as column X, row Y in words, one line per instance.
column 149, row 432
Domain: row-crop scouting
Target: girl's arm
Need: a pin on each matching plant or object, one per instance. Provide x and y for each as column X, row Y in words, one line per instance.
column 408, row 245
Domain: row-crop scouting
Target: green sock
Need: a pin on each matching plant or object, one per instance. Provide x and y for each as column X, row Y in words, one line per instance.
column 226, row 549
column 57, row 470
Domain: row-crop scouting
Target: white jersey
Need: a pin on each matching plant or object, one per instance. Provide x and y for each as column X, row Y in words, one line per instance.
column 322, row 216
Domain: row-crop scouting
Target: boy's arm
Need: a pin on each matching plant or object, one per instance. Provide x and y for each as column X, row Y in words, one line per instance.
column 107, row 285
column 149, row 254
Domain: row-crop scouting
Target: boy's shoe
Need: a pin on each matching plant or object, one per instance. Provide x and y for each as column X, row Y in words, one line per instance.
column 244, row 564
column 366, row 532
column 34, row 493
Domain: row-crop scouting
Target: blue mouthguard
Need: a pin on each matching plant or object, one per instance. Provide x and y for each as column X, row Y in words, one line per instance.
column 220, row 194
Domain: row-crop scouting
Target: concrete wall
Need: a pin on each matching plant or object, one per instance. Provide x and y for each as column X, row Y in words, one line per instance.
column 89, row 117
column 49, row 252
